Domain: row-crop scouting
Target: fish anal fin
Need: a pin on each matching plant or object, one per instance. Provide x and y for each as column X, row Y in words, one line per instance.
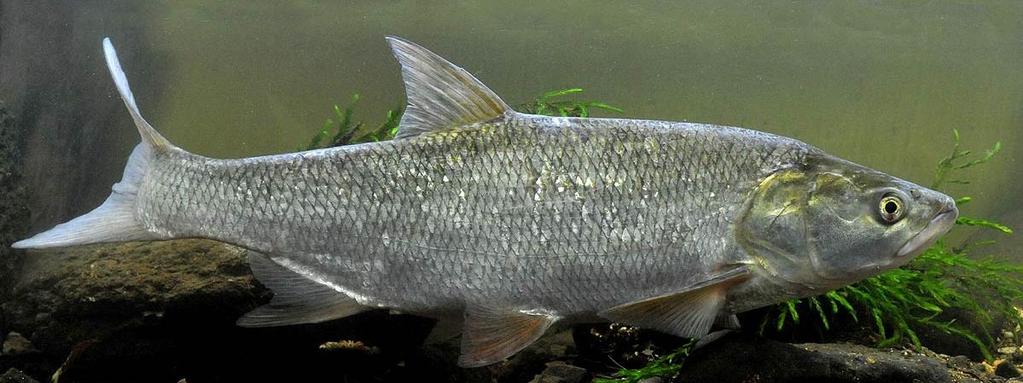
column 440, row 95
column 490, row 335
column 297, row 299
column 689, row 313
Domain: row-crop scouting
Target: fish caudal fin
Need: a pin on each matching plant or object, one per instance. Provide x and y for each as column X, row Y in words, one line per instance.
column 116, row 219
column 113, row 221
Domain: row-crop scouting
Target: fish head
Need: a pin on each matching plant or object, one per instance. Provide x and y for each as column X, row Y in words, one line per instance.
column 831, row 222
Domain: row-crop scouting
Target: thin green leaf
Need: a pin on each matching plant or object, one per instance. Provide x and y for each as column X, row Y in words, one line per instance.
column 967, row 221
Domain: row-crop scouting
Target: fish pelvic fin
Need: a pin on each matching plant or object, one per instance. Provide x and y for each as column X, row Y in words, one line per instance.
column 297, row 299
column 116, row 219
column 689, row 313
column 440, row 95
column 491, row 335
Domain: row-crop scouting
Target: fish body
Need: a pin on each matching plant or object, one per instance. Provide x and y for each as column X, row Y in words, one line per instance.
column 566, row 215
column 506, row 223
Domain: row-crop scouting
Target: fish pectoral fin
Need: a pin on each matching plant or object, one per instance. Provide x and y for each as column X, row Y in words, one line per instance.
column 296, row 299
column 689, row 313
column 440, row 95
column 491, row 335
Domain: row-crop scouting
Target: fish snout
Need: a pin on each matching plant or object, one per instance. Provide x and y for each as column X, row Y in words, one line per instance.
column 944, row 217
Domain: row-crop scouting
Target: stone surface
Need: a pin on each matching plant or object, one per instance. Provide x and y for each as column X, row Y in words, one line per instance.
column 951, row 344
column 134, row 302
column 15, row 344
column 560, row 372
column 15, row 376
column 629, row 347
column 736, row 359
column 1007, row 370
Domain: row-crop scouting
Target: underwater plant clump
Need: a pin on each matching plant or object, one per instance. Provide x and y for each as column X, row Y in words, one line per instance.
column 901, row 302
column 665, row 366
column 347, row 131
column 548, row 104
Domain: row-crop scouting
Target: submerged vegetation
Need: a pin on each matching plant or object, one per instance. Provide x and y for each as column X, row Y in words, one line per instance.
column 666, row 365
column 553, row 103
column 342, row 129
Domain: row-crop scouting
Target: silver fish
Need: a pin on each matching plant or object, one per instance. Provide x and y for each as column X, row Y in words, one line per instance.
column 504, row 223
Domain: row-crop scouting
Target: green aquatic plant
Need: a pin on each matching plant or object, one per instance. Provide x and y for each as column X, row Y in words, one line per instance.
column 347, row 131
column 901, row 302
column 551, row 103
column 665, row 366
column 342, row 129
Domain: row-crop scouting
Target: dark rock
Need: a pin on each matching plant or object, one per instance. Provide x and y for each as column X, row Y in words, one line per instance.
column 1007, row 370
column 960, row 362
column 137, row 306
column 952, row 344
column 559, row 372
column 15, row 376
column 736, row 359
column 15, row 344
column 629, row 346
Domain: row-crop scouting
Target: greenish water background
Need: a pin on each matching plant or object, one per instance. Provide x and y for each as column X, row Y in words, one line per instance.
column 879, row 83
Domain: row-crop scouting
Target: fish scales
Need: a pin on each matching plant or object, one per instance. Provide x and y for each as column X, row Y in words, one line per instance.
column 572, row 219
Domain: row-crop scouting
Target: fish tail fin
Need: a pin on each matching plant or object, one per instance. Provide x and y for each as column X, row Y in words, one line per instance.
column 116, row 219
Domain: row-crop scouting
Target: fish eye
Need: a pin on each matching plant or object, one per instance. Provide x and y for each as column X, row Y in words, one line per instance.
column 891, row 208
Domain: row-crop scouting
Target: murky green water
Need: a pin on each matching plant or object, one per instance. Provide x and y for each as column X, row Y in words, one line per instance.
column 882, row 84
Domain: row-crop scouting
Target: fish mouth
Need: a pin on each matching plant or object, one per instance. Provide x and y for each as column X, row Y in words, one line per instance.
column 926, row 237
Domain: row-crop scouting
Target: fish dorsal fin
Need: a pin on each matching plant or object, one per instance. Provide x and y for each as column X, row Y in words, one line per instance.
column 150, row 136
column 491, row 335
column 440, row 94
column 689, row 313
column 296, row 300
